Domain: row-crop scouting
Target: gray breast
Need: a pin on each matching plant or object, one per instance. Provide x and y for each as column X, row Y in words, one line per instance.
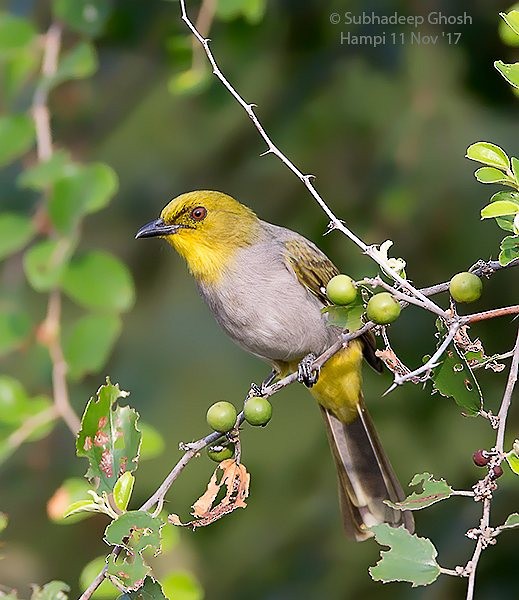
column 263, row 307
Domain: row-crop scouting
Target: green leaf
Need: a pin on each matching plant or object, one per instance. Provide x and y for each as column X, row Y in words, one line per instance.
column 15, row 327
column 16, row 231
column 192, row 81
column 13, row 400
column 512, row 20
column 45, row 174
column 16, row 137
column 85, row 190
column 410, row 558
column 99, row 281
column 454, row 378
column 15, row 32
column 182, row 585
column 509, row 72
column 55, row 590
column 4, row 521
column 152, row 442
column 488, row 154
column 347, row 317
column 506, row 223
column 106, row 591
column 89, row 343
column 135, row 531
column 123, row 489
column 500, row 208
column 512, row 521
column 433, row 491
column 509, row 249
column 129, row 572
column 78, row 63
column 66, row 500
column 151, row 590
column 83, row 16
column 492, row 175
column 18, row 67
column 513, row 462
column 251, row 10
column 80, row 508
column 45, row 262
column 109, row 437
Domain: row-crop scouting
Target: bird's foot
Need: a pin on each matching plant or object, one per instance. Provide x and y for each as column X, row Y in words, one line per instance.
column 306, row 373
column 254, row 390
column 268, row 380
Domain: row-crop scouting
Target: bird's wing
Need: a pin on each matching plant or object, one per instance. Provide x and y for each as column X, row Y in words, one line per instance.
column 314, row 270
column 312, row 267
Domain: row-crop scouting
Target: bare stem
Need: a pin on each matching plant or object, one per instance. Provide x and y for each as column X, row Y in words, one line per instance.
column 507, row 397
column 471, row 566
column 336, row 223
column 491, row 314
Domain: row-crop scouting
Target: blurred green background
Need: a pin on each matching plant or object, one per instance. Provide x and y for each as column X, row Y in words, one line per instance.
column 385, row 131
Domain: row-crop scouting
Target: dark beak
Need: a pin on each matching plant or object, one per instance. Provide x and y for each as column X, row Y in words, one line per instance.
column 156, row 228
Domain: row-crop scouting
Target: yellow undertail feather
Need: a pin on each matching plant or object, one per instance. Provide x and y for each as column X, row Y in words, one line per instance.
column 365, row 475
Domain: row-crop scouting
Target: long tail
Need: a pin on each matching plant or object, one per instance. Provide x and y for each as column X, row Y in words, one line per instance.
column 365, row 475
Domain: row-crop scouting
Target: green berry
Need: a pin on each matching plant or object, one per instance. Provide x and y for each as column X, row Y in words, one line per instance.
column 221, row 416
column 465, row 287
column 383, row 309
column 341, row 290
column 219, row 453
column 257, row 411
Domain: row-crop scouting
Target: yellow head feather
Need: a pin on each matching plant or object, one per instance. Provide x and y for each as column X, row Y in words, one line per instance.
column 212, row 227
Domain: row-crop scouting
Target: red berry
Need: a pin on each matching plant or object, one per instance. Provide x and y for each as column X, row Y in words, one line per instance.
column 479, row 458
column 496, row 472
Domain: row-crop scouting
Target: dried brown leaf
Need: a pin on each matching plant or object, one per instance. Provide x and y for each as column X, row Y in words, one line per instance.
column 235, row 479
column 393, row 363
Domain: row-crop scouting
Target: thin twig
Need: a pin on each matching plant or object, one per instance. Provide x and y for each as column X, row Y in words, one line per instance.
column 481, row 544
column 51, row 337
column 335, row 222
column 29, row 426
column 507, row 397
column 431, row 363
column 40, row 109
column 491, row 314
column 51, row 324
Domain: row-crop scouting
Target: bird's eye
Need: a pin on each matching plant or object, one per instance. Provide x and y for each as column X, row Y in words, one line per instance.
column 199, row 213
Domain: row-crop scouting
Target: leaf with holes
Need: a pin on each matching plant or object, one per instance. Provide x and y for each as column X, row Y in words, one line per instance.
column 433, row 490
column 129, row 572
column 454, row 378
column 135, row 531
column 409, row 558
column 109, row 437
column 151, row 590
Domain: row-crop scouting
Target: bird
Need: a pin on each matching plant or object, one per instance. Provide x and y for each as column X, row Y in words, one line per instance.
column 266, row 287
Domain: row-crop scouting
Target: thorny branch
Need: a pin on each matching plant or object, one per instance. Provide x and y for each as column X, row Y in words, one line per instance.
column 49, row 332
column 410, row 294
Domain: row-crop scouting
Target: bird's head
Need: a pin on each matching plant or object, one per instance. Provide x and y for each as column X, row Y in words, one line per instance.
column 206, row 228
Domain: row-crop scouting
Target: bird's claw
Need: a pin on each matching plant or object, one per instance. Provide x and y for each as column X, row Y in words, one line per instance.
column 306, row 373
column 254, row 390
